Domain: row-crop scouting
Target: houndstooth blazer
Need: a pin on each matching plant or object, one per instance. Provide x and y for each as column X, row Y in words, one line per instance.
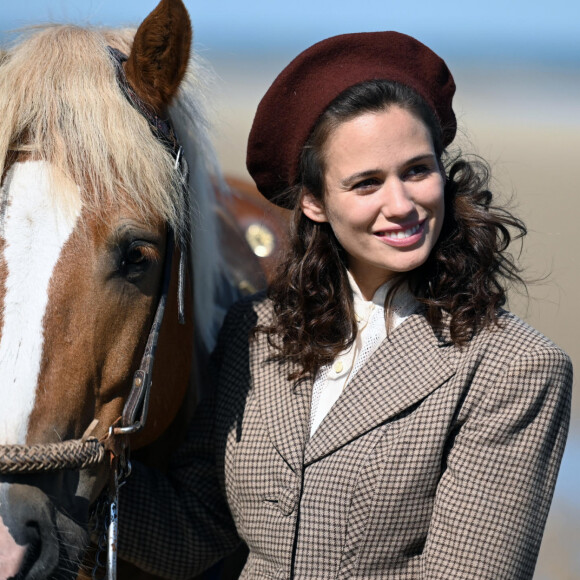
column 435, row 462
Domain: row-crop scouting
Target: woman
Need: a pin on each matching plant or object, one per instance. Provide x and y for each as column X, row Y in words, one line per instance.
column 377, row 415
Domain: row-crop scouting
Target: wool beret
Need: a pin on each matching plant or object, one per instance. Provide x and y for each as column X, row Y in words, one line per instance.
column 289, row 110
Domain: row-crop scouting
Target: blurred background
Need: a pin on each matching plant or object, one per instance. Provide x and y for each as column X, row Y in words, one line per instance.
column 517, row 69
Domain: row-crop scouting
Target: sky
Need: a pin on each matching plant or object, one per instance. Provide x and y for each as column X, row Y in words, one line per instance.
column 534, row 31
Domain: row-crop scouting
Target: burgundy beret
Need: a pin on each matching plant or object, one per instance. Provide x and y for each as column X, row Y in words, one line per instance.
column 303, row 90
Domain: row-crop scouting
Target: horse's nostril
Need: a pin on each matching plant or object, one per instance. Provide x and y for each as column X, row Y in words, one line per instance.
column 32, row 551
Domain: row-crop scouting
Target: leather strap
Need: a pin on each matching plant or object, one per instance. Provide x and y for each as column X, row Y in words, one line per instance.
column 137, row 404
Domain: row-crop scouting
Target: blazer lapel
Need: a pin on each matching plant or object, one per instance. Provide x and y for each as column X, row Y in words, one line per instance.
column 284, row 406
column 407, row 366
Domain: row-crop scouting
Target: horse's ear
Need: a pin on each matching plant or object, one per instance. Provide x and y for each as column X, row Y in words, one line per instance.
column 160, row 54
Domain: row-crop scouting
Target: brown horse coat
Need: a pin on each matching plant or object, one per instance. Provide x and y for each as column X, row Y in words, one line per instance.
column 436, row 462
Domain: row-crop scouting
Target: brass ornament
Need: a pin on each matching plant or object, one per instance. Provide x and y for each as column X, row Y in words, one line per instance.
column 261, row 239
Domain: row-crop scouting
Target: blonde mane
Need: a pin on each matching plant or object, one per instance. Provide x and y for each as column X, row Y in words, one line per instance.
column 61, row 103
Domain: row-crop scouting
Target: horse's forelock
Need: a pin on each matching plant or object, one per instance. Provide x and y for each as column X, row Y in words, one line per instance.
column 61, row 101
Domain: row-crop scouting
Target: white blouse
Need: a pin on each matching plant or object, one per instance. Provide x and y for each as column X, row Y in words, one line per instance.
column 332, row 379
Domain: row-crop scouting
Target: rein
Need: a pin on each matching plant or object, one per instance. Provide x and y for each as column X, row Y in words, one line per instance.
column 74, row 454
column 89, row 451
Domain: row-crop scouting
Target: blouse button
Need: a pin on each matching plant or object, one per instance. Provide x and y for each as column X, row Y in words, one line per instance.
column 338, row 366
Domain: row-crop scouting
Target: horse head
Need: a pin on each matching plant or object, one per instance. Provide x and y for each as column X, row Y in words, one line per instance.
column 95, row 216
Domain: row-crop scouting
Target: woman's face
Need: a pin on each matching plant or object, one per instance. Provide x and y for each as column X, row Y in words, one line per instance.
column 384, row 194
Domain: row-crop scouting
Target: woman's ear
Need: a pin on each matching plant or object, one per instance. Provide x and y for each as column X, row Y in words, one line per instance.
column 312, row 208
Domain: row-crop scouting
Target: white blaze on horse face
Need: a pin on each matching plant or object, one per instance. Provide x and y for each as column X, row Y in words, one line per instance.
column 35, row 230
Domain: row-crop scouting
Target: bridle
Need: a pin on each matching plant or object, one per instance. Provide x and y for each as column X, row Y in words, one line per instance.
column 88, row 450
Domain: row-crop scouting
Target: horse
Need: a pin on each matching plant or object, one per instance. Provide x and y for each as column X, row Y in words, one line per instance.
column 115, row 274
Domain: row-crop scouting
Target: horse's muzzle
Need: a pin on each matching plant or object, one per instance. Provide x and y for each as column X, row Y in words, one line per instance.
column 39, row 539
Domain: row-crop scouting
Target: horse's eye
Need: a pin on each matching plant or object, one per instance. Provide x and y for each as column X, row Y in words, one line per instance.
column 136, row 258
column 135, row 254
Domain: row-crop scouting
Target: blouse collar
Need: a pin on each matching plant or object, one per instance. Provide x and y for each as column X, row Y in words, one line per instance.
column 403, row 305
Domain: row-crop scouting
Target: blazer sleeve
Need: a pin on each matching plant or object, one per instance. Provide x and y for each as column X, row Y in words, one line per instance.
column 176, row 524
column 494, row 495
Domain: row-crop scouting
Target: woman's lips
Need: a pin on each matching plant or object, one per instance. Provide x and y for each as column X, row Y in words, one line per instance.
column 404, row 236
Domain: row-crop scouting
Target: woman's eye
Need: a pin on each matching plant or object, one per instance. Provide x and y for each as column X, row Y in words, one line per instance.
column 366, row 183
column 418, row 170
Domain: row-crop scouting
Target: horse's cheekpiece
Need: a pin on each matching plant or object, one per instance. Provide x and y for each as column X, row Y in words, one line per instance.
column 138, row 399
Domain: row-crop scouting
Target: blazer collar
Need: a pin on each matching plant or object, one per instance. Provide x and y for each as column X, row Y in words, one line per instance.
column 408, row 365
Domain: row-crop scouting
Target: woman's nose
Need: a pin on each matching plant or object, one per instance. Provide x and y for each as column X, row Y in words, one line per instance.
column 396, row 202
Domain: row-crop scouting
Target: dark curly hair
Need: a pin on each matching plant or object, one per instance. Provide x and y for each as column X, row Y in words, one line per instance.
column 465, row 275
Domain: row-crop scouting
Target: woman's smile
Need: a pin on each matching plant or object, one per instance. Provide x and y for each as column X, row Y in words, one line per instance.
column 405, row 236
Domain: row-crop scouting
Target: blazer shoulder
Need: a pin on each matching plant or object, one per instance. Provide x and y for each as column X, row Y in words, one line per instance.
column 512, row 345
column 513, row 368
column 241, row 319
column 516, row 337
column 248, row 307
